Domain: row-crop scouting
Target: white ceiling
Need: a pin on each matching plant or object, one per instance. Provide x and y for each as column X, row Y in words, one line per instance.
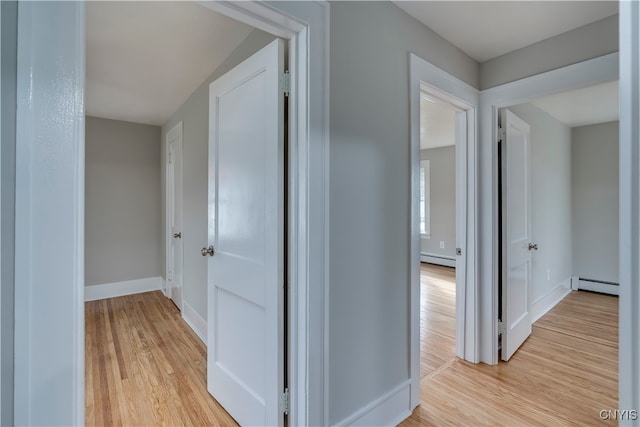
column 581, row 107
column 144, row 59
column 437, row 124
column 487, row 29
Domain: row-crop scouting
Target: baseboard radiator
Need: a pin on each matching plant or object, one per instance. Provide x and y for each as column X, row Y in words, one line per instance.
column 595, row 285
column 437, row 259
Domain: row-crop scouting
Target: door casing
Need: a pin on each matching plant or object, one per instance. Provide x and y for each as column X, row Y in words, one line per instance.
column 583, row 74
column 437, row 83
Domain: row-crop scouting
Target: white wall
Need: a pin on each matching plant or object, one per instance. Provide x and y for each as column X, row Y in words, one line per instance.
column 9, row 13
column 590, row 41
column 370, row 196
column 123, row 237
column 594, row 152
column 443, row 201
column 194, row 114
column 550, row 200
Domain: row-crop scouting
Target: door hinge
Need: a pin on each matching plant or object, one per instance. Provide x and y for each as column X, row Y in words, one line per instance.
column 285, row 83
column 501, row 328
column 284, row 402
column 501, row 134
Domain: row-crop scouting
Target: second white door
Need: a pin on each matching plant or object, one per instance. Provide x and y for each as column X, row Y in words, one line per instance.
column 516, row 232
column 174, row 215
column 245, row 358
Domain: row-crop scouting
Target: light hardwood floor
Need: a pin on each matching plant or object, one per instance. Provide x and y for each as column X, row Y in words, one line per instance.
column 145, row 366
column 564, row 374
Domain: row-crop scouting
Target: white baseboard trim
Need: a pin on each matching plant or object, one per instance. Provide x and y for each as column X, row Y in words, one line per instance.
column 195, row 321
column 438, row 259
column 603, row 288
column 388, row 410
column 542, row 305
column 118, row 289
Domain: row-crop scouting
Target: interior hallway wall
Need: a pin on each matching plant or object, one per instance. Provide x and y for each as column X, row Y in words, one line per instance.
column 194, row 114
column 122, row 201
column 595, row 170
column 369, row 277
column 8, row 48
column 581, row 44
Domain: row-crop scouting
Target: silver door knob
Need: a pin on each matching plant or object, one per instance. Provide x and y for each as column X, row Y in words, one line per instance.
column 533, row 246
column 177, row 235
column 207, row 251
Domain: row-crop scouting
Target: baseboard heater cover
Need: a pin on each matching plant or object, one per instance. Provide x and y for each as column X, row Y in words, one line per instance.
column 437, row 259
column 595, row 285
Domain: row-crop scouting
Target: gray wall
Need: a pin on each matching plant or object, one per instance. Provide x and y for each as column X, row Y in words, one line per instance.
column 584, row 43
column 594, row 151
column 550, row 199
column 370, row 196
column 9, row 13
column 194, row 114
column 122, row 201
column 443, row 201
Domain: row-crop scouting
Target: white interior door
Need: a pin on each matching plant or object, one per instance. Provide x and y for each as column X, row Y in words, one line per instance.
column 516, row 232
column 174, row 215
column 246, row 231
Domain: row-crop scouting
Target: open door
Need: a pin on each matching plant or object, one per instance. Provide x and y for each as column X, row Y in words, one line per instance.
column 516, row 232
column 174, row 214
column 245, row 358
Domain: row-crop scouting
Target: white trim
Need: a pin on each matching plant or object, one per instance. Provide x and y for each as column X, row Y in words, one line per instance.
column 306, row 26
column 629, row 245
column 593, row 286
column 387, row 410
column 425, row 77
column 574, row 283
column 543, row 304
column 195, row 322
column 594, row 71
column 444, row 260
column 49, row 251
column 118, row 289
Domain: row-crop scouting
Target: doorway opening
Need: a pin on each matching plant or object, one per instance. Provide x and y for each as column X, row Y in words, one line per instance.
column 437, row 201
column 559, row 234
column 447, row 96
column 157, row 102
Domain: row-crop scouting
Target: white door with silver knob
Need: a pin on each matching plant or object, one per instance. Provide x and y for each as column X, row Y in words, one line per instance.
column 245, row 371
column 516, row 232
column 174, row 215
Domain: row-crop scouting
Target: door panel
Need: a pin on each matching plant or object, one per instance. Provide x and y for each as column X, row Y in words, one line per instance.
column 246, row 228
column 174, row 200
column 516, row 217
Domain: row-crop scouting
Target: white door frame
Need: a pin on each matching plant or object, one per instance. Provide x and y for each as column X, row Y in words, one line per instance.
column 50, row 169
column 583, row 74
column 425, row 77
column 629, row 301
column 177, row 129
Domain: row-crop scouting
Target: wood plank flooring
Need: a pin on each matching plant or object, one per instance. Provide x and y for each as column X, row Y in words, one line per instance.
column 145, row 366
column 564, row 374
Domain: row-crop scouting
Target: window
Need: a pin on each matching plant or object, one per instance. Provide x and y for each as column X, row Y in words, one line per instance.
column 425, row 199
